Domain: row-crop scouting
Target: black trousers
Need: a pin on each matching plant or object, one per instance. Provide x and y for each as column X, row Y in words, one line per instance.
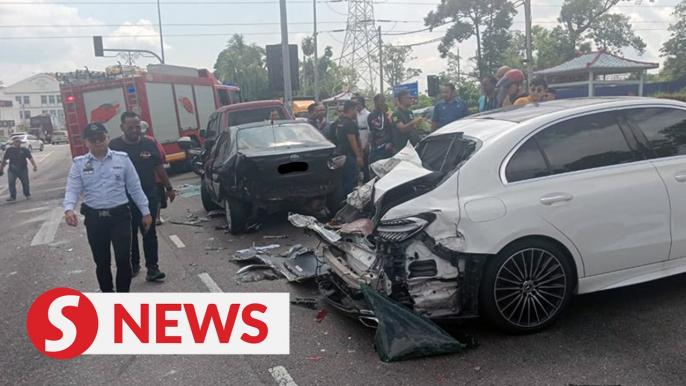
column 115, row 230
column 150, row 246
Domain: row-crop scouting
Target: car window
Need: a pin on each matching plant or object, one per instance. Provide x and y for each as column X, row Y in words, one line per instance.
column 527, row 163
column 586, row 142
column 444, row 153
column 242, row 117
column 214, row 154
column 664, row 129
column 266, row 137
column 212, row 126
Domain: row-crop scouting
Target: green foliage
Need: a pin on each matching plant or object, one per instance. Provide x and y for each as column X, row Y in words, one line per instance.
column 394, row 62
column 488, row 21
column 614, row 32
column 677, row 96
column 244, row 65
column 674, row 49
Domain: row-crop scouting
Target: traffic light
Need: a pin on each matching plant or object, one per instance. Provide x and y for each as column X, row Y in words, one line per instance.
column 275, row 67
column 97, row 44
column 434, row 86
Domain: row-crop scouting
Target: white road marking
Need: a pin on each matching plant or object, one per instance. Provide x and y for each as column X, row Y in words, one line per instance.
column 44, row 157
column 209, row 283
column 33, row 209
column 46, row 233
column 177, row 241
column 281, row 376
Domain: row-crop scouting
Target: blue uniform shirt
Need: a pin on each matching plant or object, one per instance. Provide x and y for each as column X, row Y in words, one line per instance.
column 445, row 112
column 104, row 183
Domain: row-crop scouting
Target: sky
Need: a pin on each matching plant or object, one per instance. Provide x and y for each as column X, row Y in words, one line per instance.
column 56, row 36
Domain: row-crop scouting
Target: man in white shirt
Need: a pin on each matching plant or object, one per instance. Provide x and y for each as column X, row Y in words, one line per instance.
column 362, row 115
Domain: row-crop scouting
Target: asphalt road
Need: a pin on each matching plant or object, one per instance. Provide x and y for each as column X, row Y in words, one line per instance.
column 630, row 336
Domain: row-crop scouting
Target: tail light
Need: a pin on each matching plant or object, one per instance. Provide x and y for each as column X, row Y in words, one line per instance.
column 401, row 229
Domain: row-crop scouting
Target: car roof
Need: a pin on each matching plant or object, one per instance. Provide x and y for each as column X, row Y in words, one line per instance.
column 250, row 105
column 488, row 124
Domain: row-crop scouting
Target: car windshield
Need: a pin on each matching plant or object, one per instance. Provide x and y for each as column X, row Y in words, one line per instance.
column 241, row 117
column 269, row 137
column 444, row 153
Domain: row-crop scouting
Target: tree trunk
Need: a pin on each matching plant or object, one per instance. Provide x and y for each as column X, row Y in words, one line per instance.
column 479, row 59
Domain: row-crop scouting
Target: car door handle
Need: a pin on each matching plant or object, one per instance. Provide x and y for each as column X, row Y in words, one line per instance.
column 680, row 177
column 556, row 197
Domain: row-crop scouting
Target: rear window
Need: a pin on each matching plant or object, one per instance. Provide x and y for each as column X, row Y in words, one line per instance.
column 242, row 117
column 269, row 137
column 59, row 133
column 444, row 153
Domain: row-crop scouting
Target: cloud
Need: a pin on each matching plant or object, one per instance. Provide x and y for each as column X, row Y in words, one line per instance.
column 141, row 35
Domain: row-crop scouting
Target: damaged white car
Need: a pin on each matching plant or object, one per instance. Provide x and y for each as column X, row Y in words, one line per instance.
column 507, row 214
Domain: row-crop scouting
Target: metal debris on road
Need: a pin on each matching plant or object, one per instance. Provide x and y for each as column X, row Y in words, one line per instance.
column 256, row 272
column 277, row 237
column 221, row 227
column 255, row 249
column 321, row 315
column 307, row 303
column 193, row 224
column 215, row 248
column 215, row 213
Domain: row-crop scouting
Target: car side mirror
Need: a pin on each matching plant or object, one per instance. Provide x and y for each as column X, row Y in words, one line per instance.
column 203, row 133
column 184, row 143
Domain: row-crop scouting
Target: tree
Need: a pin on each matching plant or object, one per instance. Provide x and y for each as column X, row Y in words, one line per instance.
column 244, row 65
column 674, row 49
column 613, row 32
column 336, row 80
column 394, row 62
column 307, row 66
column 490, row 18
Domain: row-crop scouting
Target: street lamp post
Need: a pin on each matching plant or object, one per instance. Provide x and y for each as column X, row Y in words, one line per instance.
column 159, row 19
column 316, row 67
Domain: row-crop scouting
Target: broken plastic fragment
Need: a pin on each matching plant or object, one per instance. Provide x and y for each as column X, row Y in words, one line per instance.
column 310, row 222
column 256, row 272
column 321, row 315
column 403, row 334
column 363, row 225
column 307, row 303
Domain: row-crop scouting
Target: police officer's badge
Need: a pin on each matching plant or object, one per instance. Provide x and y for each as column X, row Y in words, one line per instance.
column 145, row 154
column 117, row 177
column 88, row 169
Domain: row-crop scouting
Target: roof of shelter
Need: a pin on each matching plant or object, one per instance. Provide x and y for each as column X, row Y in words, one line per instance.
column 601, row 62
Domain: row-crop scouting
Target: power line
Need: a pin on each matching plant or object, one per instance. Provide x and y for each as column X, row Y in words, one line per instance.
column 155, row 36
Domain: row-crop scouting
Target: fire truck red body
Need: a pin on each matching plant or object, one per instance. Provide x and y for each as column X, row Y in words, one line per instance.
column 175, row 102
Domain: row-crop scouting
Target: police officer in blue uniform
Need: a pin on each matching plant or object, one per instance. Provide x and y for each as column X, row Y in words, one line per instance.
column 105, row 176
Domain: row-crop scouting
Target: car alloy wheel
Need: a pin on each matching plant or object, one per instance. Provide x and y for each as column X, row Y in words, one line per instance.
column 526, row 286
column 530, row 287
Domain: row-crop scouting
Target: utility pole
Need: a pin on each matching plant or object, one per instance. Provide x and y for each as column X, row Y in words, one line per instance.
column 380, row 62
column 159, row 19
column 529, row 55
column 316, row 67
column 287, row 92
column 459, row 73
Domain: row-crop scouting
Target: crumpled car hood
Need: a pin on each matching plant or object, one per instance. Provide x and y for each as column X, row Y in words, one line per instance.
column 403, row 173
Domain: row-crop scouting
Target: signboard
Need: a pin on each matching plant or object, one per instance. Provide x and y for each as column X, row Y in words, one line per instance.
column 6, row 123
column 5, row 103
column 413, row 88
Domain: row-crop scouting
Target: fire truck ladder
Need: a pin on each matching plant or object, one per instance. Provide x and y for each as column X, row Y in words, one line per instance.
column 132, row 103
column 71, row 115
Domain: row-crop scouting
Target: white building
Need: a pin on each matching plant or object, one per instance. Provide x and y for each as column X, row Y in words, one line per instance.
column 39, row 94
column 6, row 114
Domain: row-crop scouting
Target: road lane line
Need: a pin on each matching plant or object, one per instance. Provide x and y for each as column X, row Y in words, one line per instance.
column 281, row 376
column 46, row 233
column 33, row 209
column 44, row 157
column 209, row 283
column 177, row 241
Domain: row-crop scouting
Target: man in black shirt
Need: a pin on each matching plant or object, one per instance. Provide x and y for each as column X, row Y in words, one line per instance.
column 349, row 145
column 147, row 160
column 333, row 137
column 19, row 168
column 404, row 122
column 381, row 131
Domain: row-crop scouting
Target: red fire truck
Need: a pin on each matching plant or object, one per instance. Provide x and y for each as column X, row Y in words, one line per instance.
column 175, row 102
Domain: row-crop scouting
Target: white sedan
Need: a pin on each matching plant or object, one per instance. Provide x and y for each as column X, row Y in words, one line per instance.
column 510, row 213
column 28, row 141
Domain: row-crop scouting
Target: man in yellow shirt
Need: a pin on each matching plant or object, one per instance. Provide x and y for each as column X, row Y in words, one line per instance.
column 536, row 91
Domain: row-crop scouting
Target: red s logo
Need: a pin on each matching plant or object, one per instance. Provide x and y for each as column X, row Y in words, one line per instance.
column 62, row 323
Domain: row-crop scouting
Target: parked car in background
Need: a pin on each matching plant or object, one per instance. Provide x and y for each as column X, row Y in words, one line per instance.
column 59, row 137
column 264, row 167
column 28, row 141
column 507, row 214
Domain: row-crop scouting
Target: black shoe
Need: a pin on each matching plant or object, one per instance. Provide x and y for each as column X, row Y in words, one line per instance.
column 154, row 274
column 28, row 197
column 135, row 270
column 11, row 199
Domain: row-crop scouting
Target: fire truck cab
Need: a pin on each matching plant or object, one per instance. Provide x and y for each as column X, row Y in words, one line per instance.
column 175, row 101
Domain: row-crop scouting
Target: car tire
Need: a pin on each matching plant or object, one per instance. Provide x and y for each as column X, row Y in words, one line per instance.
column 525, row 287
column 236, row 215
column 207, row 202
column 41, row 147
